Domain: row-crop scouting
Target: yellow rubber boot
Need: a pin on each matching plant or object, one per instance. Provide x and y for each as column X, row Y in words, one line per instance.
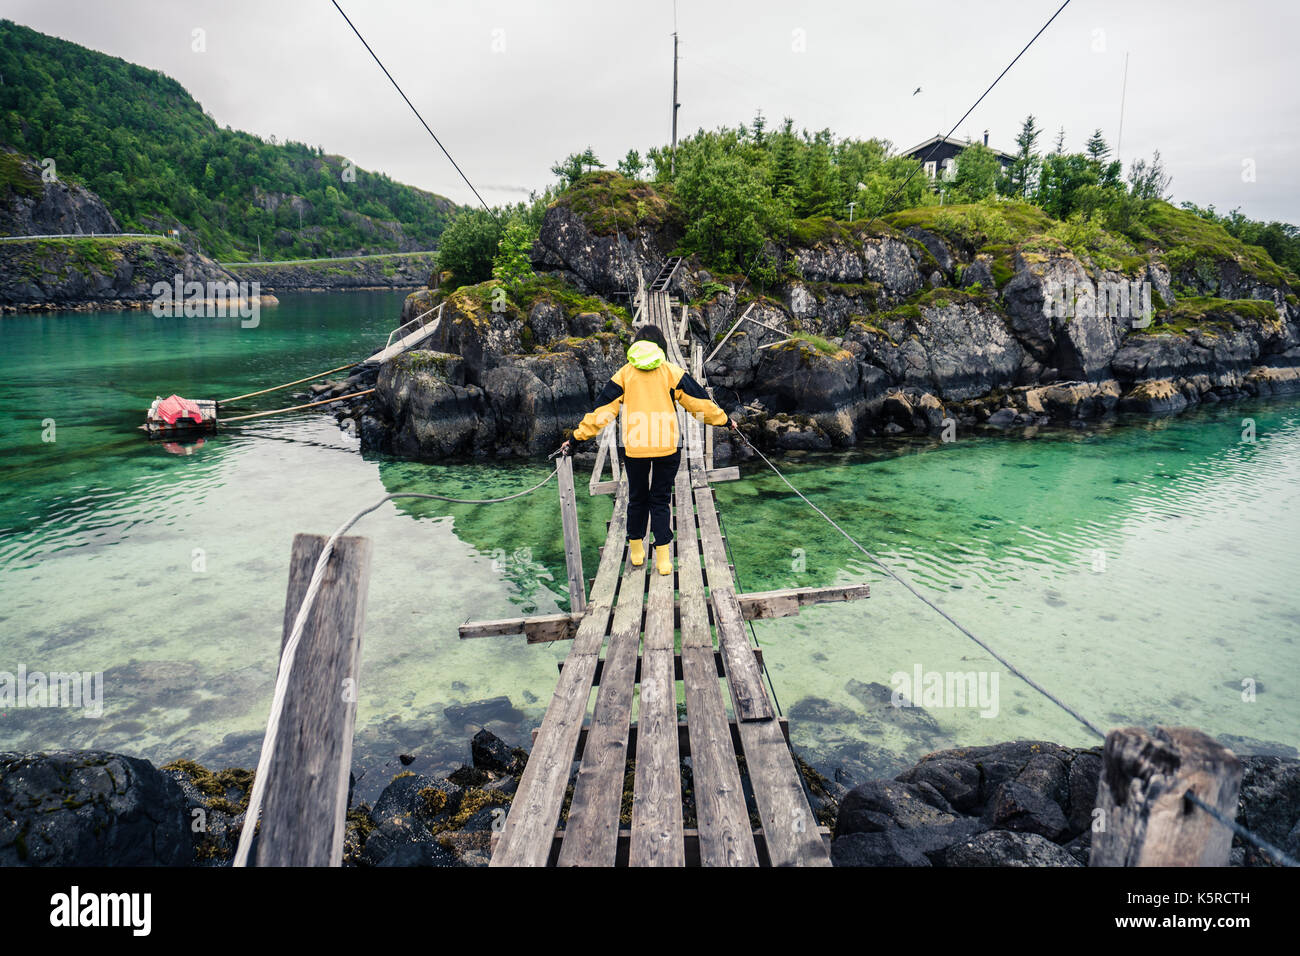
column 636, row 550
column 664, row 558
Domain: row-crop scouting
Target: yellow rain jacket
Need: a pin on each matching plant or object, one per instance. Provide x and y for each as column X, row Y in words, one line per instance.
column 649, row 385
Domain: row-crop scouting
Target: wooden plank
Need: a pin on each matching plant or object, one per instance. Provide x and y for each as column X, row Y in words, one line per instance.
column 1145, row 776
column 592, row 826
column 304, row 809
column 683, row 736
column 677, row 664
column 725, row 835
column 539, row 629
column 535, row 810
column 602, row 450
column 690, row 839
column 742, row 673
column 778, row 790
column 788, row 823
column 657, row 786
column 572, row 545
column 762, row 605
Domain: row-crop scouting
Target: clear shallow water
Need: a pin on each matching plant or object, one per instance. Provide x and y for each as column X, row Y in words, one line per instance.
column 98, row 533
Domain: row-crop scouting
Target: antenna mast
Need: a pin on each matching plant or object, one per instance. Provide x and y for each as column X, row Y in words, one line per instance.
column 672, row 166
column 1119, row 146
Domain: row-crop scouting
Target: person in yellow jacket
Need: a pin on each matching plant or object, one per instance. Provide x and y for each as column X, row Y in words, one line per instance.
column 649, row 387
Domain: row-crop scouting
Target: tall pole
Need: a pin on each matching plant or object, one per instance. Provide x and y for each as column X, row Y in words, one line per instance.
column 1119, row 146
column 672, row 165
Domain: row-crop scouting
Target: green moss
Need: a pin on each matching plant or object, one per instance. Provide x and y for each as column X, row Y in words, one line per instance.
column 609, row 202
column 17, row 179
column 435, row 800
column 471, row 802
column 359, row 819
column 218, row 786
column 420, row 360
column 823, row 230
column 975, row 225
column 1209, row 315
column 1186, row 239
column 863, row 326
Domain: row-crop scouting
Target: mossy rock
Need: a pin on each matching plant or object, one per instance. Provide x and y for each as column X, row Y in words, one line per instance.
column 1210, row 315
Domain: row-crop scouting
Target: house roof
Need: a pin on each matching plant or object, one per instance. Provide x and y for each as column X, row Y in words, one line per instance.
column 952, row 141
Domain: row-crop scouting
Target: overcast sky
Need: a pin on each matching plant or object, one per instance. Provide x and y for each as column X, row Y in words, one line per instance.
column 510, row 87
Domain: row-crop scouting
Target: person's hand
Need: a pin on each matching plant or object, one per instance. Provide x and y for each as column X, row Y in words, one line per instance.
column 566, row 449
column 733, row 425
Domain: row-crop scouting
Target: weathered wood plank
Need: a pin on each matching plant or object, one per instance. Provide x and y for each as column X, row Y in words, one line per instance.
column 657, row 785
column 755, row 606
column 725, row 835
column 535, row 810
column 677, row 661
column 763, row 605
column 742, row 673
column 304, row 809
column 602, row 451
column 592, row 826
column 572, row 545
column 782, row 806
column 690, row 839
column 788, row 822
column 1144, row 777
column 539, row 629
column 683, row 736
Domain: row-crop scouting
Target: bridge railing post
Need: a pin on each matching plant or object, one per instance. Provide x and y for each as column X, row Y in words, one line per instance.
column 1142, row 816
column 572, row 545
column 305, row 806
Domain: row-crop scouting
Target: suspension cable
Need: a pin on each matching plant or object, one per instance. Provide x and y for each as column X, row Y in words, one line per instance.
column 948, row 617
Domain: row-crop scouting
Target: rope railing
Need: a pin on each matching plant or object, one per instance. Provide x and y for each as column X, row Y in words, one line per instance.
column 290, row 651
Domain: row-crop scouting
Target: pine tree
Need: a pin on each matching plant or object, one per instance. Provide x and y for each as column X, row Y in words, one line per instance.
column 1022, row 177
column 1096, row 147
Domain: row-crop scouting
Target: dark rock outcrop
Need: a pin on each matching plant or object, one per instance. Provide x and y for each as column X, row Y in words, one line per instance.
column 1025, row 803
column 35, row 206
column 79, row 808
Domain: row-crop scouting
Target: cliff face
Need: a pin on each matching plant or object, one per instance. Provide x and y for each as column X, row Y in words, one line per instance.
column 30, row 206
column 507, row 382
column 103, row 272
column 910, row 326
column 106, row 270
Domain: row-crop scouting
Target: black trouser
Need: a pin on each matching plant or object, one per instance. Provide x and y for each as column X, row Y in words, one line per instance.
column 649, row 490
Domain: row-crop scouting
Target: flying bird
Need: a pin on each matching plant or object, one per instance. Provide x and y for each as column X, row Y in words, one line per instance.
column 917, row 90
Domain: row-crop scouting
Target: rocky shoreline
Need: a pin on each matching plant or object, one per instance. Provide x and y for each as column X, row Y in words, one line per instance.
column 396, row 271
column 868, row 331
column 1021, row 803
column 64, row 252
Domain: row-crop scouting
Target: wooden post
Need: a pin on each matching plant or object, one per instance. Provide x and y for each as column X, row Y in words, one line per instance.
column 1144, row 777
column 304, row 810
column 572, row 546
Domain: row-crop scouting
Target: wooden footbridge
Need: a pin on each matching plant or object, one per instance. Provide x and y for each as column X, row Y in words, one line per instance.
column 641, row 641
column 658, row 632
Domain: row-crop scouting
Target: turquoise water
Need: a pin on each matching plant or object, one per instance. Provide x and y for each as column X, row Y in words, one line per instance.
column 167, row 571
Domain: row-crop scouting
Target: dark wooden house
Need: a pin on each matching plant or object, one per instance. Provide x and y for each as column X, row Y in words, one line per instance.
column 939, row 154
